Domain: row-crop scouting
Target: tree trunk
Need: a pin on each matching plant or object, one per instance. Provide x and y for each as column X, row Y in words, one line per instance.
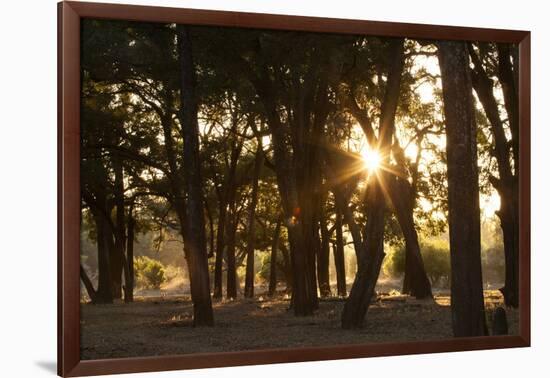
column 295, row 180
column 416, row 281
column 339, row 261
column 100, row 211
column 226, row 198
column 211, row 234
column 467, row 307
column 304, row 287
column 118, row 265
column 220, row 242
column 324, row 255
column 249, row 279
column 104, row 248
column 368, row 266
column 273, row 260
column 506, row 185
column 194, row 231
column 231, row 260
column 88, row 285
column 507, row 78
column 342, row 204
column 286, row 267
column 509, row 222
column 129, row 291
column 302, row 259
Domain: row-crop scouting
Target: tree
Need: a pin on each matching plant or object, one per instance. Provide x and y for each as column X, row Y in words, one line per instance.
column 249, row 279
column 338, row 253
column 467, row 307
column 194, row 232
column 130, row 282
column 400, row 192
column 504, row 151
column 273, row 260
column 324, row 252
column 370, row 263
column 296, row 137
column 88, row 285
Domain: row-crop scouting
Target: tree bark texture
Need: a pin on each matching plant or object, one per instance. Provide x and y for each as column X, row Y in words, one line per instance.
column 194, row 231
column 467, row 306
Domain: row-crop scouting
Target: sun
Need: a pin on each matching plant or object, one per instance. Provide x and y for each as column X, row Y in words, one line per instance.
column 371, row 159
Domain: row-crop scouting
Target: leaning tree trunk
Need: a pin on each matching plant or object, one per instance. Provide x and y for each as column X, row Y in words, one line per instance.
column 195, row 236
column 249, row 279
column 506, row 184
column 368, row 266
column 273, row 260
column 88, row 285
column 416, row 281
column 467, row 307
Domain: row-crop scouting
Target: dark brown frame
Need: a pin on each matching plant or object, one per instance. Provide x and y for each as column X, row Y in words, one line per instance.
column 69, row 16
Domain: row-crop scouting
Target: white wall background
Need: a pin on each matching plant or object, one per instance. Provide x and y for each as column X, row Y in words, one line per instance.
column 28, row 186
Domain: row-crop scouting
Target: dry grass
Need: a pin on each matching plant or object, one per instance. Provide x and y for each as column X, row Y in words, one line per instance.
column 162, row 325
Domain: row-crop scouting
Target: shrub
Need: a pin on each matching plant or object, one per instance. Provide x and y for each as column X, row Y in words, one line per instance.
column 394, row 264
column 265, row 267
column 150, row 273
column 436, row 261
column 264, row 270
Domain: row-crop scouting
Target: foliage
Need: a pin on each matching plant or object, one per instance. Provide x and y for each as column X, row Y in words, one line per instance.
column 150, row 273
column 436, row 261
column 265, row 267
column 131, row 115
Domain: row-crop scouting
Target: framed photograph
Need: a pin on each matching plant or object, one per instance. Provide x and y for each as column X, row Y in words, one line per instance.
column 239, row 188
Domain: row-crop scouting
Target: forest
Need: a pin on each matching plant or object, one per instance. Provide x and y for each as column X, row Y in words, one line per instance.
column 253, row 189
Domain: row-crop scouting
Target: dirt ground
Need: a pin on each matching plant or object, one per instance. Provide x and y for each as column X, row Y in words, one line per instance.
column 162, row 325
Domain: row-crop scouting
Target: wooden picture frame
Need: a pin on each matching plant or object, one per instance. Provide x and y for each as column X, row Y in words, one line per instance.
column 69, row 18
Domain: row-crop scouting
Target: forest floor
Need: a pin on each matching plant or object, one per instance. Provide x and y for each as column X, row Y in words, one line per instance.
column 162, row 325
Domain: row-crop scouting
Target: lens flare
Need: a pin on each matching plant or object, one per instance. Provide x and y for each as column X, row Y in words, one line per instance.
column 371, row 159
